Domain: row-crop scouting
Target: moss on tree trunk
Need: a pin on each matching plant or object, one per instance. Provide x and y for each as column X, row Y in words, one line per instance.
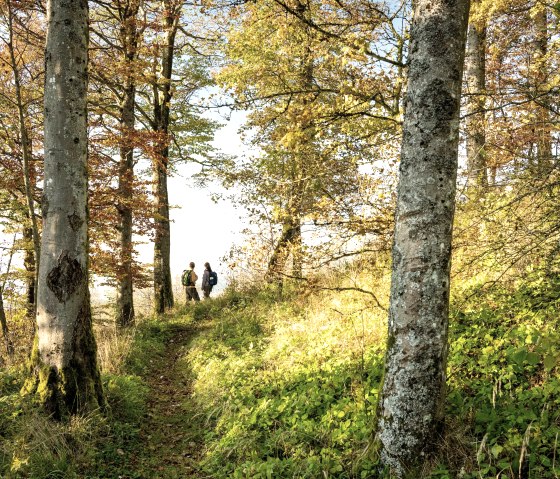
column 74, row 388
column 63, row 365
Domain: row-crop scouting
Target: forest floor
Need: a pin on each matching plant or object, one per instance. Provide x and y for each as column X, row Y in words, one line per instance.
column 169, row 442
column 248, row 386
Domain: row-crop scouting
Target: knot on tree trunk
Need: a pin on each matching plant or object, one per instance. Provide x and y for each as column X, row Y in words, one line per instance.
column 64, row 279
column 75, row 221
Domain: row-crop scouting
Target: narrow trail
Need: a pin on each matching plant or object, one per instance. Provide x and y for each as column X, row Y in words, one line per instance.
column 171, row 438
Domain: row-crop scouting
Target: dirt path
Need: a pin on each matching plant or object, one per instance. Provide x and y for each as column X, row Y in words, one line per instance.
column 171, row 440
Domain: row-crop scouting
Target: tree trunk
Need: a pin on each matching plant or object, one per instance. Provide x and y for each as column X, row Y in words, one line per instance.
column 31, row 277
column 64, row 359
column 3, row 322
column 5, row 331
column 297, row 250
column 163, row 290
column 129, row 40
column 475, row 75
column 306, row 153
column 277, row 262
column 413, row 391
column 542, row 110
column 28, row 177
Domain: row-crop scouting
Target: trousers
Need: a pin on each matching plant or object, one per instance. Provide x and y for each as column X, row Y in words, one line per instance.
column 192, row 293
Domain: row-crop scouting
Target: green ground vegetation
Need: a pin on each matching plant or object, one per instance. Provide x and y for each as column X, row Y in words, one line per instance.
column 249, row 385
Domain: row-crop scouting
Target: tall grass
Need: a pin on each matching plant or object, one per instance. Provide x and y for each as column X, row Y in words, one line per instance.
column 34, row 446
column 286, row 386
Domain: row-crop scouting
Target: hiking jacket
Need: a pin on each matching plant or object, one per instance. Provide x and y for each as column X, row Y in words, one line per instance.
column 206, row 279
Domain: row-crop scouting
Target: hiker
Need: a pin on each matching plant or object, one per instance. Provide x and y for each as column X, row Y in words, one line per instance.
column 188, row 280
column 209, row 279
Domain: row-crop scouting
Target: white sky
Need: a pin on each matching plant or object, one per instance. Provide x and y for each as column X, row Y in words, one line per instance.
column 202, row 230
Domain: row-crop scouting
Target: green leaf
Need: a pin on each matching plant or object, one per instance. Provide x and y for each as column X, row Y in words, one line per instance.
column 519, row 356
column 550, row 362
column 496, row 450
column 533, row 359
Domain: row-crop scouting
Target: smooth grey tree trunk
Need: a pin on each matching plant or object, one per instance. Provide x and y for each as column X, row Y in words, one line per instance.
column 163, row 289
column 64, row 360
column 475, row 76
column 413, row 390
column 129, row 41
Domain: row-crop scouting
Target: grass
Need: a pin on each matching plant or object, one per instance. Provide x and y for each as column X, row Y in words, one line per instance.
column 250, row 386
column 289, row 388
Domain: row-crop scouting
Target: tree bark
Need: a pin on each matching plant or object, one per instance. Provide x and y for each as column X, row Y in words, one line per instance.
column 31, row 277
column 5, row 330
column 3, row 322
column 64, row 367
column 290, row 231
column 303, row 154
column 410, row 405
column 542, row 110
column 163, row 290
column 297, row 250
column 475, row 76
column 129, row 40
column 28, row 177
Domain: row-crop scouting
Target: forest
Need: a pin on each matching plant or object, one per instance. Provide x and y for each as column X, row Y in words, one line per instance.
column 390, row 310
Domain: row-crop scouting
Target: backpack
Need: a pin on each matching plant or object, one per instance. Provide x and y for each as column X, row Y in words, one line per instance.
column 213, row 279
column 186, row 278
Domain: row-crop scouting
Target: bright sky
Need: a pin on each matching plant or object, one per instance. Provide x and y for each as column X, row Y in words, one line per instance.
column 202, row 230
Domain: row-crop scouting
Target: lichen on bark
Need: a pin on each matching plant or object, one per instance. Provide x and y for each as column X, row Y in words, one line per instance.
column 413, row 388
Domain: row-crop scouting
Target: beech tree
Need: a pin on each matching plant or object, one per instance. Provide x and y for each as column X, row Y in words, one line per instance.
column 3, row 322
column 410, row 405
column 130, row 38
column 64, row 361
column 162, row 94
column 117, row 31
column 21, row 45
column 24, row 137
column 144, row 74
column 175, row 72
column 540, row 87
column 520, row 104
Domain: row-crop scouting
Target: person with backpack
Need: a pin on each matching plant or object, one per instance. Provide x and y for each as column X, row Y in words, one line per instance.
column 209, row 280
column 188, row 280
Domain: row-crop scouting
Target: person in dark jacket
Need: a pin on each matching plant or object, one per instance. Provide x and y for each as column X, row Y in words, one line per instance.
column 206, row 286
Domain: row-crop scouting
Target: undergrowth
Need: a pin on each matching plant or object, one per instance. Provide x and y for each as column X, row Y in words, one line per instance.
column 504, row 384
column 85, row 447
column 287, row 388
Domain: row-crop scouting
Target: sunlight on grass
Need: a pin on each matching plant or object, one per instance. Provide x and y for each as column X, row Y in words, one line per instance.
column 290, row 387
column 287, row 388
